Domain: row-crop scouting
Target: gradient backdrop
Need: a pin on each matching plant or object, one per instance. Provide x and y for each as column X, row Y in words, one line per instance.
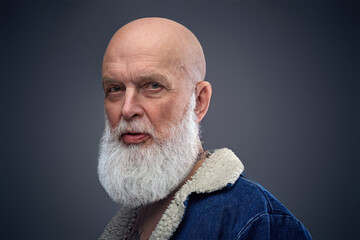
column 285, row 99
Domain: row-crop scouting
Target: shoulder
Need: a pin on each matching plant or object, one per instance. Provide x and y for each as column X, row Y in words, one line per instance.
column 244, row 198
column 267, row 218
column 220, row 203
column 250, row 193
column 242, row 210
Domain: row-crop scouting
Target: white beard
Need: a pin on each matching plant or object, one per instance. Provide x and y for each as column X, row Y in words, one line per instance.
column 136, row 175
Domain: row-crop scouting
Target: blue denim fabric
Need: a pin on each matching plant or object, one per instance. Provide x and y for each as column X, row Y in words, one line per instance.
column 244, row 210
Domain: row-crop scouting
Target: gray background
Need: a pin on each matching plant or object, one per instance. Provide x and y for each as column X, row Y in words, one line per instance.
column 285, row 100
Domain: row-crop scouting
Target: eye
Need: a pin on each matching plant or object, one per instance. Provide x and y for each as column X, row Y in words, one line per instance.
column 114, row 89
column 153, row 86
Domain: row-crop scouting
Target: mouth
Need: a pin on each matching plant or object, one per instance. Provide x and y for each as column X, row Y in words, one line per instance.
column 134, row 137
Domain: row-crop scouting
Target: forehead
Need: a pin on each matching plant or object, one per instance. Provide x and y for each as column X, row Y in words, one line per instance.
column 139, row 68
column 143, row 65
column 140, row 53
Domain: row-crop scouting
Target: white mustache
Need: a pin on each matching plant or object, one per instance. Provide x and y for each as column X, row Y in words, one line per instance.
column 135, row 126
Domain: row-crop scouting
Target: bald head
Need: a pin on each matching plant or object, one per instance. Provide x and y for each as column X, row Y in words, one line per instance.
column 172, row 43
column 152, row 67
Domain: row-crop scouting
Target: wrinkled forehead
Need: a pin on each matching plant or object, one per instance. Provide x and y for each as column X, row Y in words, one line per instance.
column 147, row 50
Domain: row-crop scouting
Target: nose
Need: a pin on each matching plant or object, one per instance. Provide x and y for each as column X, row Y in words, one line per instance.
column 132, row 107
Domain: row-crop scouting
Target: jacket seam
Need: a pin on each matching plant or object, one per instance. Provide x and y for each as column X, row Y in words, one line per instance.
column 267, row 199
column 260, row 215
column 250, row 222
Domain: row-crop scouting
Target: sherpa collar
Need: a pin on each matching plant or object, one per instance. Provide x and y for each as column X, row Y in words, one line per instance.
column 220, row 169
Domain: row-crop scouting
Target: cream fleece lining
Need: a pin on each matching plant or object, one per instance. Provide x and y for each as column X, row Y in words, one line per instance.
column 220, row 169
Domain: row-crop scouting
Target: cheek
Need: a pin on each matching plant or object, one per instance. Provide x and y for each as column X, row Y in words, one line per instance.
column 113, row 114
column 164, row 113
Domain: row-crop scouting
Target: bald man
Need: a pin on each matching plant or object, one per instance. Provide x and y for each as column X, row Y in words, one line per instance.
column 151, row 159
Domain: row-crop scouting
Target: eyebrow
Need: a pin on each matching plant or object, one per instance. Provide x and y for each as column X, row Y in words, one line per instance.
column 106, row 80
column 157, row 77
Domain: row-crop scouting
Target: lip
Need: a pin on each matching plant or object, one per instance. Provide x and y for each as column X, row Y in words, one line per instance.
column 133, row 138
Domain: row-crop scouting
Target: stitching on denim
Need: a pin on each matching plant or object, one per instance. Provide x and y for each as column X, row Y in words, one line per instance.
column 250, row 222
column 267, row 199
column 262, row 214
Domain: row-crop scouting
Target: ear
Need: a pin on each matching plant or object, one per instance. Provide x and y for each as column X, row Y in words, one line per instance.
column 203, row 95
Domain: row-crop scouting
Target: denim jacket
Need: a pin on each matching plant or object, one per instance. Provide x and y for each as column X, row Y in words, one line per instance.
column 218, row 202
